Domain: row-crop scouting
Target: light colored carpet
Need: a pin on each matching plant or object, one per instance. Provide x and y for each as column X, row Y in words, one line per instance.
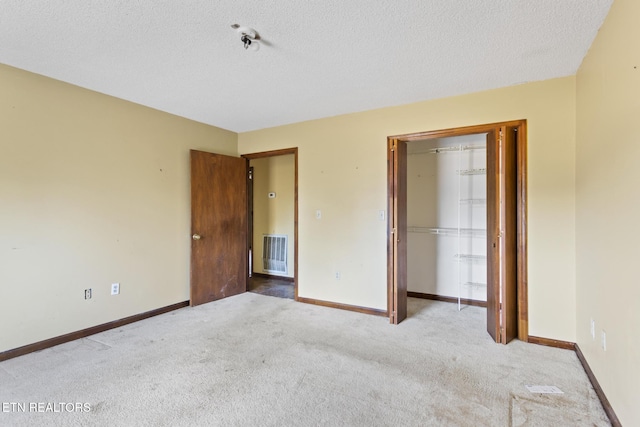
column 254, row 360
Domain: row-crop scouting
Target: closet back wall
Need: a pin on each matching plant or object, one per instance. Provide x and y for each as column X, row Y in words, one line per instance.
column 433, row 206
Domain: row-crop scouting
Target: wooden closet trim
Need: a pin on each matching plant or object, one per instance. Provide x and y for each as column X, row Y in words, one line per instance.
column 522, row 248
column 465, row 130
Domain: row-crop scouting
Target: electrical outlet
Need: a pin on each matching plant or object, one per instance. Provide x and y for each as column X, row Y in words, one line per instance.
column 593, row 329
column 87, row 293
column 604, row 340
column 338, row 275
column 115, row 288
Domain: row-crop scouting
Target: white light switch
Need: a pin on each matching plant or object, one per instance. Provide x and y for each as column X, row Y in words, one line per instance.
column 381, row 215
column 318, row 214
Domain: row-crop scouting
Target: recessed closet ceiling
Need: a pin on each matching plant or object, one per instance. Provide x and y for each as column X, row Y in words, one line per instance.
column 318, row 59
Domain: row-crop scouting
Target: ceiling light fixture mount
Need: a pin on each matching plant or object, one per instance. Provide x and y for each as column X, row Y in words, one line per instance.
column 248, row 36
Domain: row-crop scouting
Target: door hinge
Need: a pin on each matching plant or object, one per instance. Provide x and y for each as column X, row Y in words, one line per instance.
column 500, row 135
column 393, row 231
column 393, row 146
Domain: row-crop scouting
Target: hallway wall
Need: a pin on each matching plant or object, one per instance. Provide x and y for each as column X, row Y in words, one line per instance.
column 276, row 215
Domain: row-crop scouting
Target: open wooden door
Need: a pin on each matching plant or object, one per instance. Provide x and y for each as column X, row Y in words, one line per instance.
column 494, row 284
column 502, row 306
column 397, row 250
column 218, row 226
column 510, row 239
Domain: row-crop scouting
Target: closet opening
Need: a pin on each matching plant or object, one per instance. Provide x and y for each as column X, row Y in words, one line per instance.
column 457, row 222
column 446, row 219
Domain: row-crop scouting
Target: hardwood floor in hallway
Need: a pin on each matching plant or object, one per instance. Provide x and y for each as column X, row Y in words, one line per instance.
column 271, row 287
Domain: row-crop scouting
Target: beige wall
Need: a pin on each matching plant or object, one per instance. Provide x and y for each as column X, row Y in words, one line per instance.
column 608, row 207
column 93, row 190
column 273, row 216
column 85, row 203
column 343, row 171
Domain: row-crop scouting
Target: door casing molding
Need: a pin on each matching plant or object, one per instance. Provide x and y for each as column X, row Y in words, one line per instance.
column 521, row 209
column 284, row 152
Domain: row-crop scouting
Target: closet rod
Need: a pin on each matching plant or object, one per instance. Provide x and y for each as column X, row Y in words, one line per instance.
column 478, row 171
column 474, row 232
column 471, row 258
column 458, row 148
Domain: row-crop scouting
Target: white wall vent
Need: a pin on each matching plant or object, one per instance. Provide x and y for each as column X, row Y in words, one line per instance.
column 274, row 253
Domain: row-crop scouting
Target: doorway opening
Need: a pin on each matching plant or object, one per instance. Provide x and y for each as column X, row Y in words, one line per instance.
column 220, row 225
column 272, row 221
column 479, row 217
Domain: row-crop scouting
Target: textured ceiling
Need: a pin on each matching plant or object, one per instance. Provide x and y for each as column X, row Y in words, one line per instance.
column 320, row 57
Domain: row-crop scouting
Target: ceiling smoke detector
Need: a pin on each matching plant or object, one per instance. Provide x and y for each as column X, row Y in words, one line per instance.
column 248, row 36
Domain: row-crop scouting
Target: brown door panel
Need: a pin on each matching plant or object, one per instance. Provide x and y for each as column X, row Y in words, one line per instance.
column 510, row 239
column 218, row 226
column 493, row 235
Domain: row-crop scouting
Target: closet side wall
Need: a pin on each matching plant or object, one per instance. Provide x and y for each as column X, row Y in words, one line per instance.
column 422, row 211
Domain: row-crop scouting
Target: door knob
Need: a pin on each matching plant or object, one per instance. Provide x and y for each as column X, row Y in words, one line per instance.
column 196, row 237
